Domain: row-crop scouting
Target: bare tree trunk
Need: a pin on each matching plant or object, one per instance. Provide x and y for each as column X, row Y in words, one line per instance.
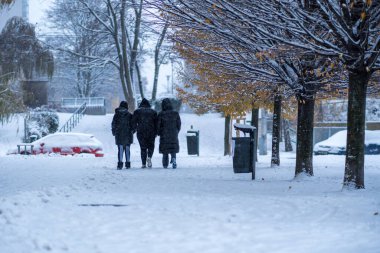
column 305, row 124
column 288, row 141
column 281, row 131
column 255, row 123
column 227, row 139
column 136, row 36
column 114, row 22
column 139, row 80
column 276, row 131
column 127, row 74
column 155, row 78
column 158, row 61
column 88, row 78
column 78, row 81
column 354, row 167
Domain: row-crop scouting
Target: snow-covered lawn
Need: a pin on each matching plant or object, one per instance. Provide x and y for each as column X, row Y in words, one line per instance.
column 83, row 204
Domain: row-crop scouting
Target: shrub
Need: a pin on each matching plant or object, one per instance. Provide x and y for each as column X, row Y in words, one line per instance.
column 41, row 122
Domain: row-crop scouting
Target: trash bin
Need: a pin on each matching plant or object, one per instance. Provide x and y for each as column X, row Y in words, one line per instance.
column 241, row 154
column 192, row 138
column 244, row 156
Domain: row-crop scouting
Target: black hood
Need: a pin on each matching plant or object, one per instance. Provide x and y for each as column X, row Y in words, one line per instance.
column 144, row 103
column 166, row 105
column 123, row 104
column 121, row 110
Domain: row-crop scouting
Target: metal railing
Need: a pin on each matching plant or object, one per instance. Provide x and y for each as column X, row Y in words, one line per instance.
column 74, row 119
column 76, row 102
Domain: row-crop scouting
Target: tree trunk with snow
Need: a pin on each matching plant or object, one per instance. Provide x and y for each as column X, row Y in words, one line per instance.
column 155, row 78
column 139, row 80
column 354, row 166
column 276, row 132
column 125, row 58
column 288, row 141
column 305, row 125
column 158, row 60
column 227, row 139
column 281, row 131
column 136, row 36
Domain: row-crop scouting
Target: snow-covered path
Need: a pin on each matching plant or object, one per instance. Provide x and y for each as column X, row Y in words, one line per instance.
column 82, row 204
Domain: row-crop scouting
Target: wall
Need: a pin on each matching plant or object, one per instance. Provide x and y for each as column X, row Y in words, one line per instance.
column 35, row 93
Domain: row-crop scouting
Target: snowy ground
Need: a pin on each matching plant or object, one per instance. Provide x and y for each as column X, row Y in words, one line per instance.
column 82, row 204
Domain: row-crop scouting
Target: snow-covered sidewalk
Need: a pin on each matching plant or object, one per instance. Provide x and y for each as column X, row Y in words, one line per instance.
column 83, row 204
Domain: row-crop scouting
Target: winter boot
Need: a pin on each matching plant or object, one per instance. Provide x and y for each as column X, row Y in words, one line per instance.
column 128, row 165
column 174, row 163
column 119, row 165
column 143, row 166
column 149, row 162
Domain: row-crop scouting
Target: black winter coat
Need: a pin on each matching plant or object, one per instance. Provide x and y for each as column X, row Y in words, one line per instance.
column 122, row 127
column 168, row 127
column 145, row 121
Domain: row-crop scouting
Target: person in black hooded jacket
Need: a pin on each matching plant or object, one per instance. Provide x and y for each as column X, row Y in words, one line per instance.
column 122, row 129
column 168, row 127
column 144, row 121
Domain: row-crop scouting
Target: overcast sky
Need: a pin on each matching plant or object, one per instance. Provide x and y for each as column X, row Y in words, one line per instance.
column 37, row 9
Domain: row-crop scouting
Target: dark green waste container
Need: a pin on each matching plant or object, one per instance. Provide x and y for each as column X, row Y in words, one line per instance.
column 192, row 138
column 244, row 150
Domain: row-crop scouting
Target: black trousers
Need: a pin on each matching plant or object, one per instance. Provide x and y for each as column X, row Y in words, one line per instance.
column 146, row 152
column 165, row 159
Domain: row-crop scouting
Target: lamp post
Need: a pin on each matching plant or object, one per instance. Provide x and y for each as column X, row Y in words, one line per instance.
column 168, row 84
column 171, row 61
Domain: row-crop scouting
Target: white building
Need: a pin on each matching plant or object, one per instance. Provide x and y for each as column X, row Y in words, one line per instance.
column 19, row 8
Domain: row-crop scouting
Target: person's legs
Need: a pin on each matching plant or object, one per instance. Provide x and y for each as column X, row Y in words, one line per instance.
column 127, row 150
column 150, row 154
column 173, row 160
column 151, row 149
column 143, row 156
column 120, row 151
column 165, row 160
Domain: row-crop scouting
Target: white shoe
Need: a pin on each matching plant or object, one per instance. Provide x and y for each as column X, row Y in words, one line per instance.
column 149, row 162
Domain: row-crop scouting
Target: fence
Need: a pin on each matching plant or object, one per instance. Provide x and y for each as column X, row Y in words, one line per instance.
column 94, row 105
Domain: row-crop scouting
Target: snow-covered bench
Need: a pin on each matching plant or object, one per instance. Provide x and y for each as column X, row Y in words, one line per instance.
column 26, row 147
